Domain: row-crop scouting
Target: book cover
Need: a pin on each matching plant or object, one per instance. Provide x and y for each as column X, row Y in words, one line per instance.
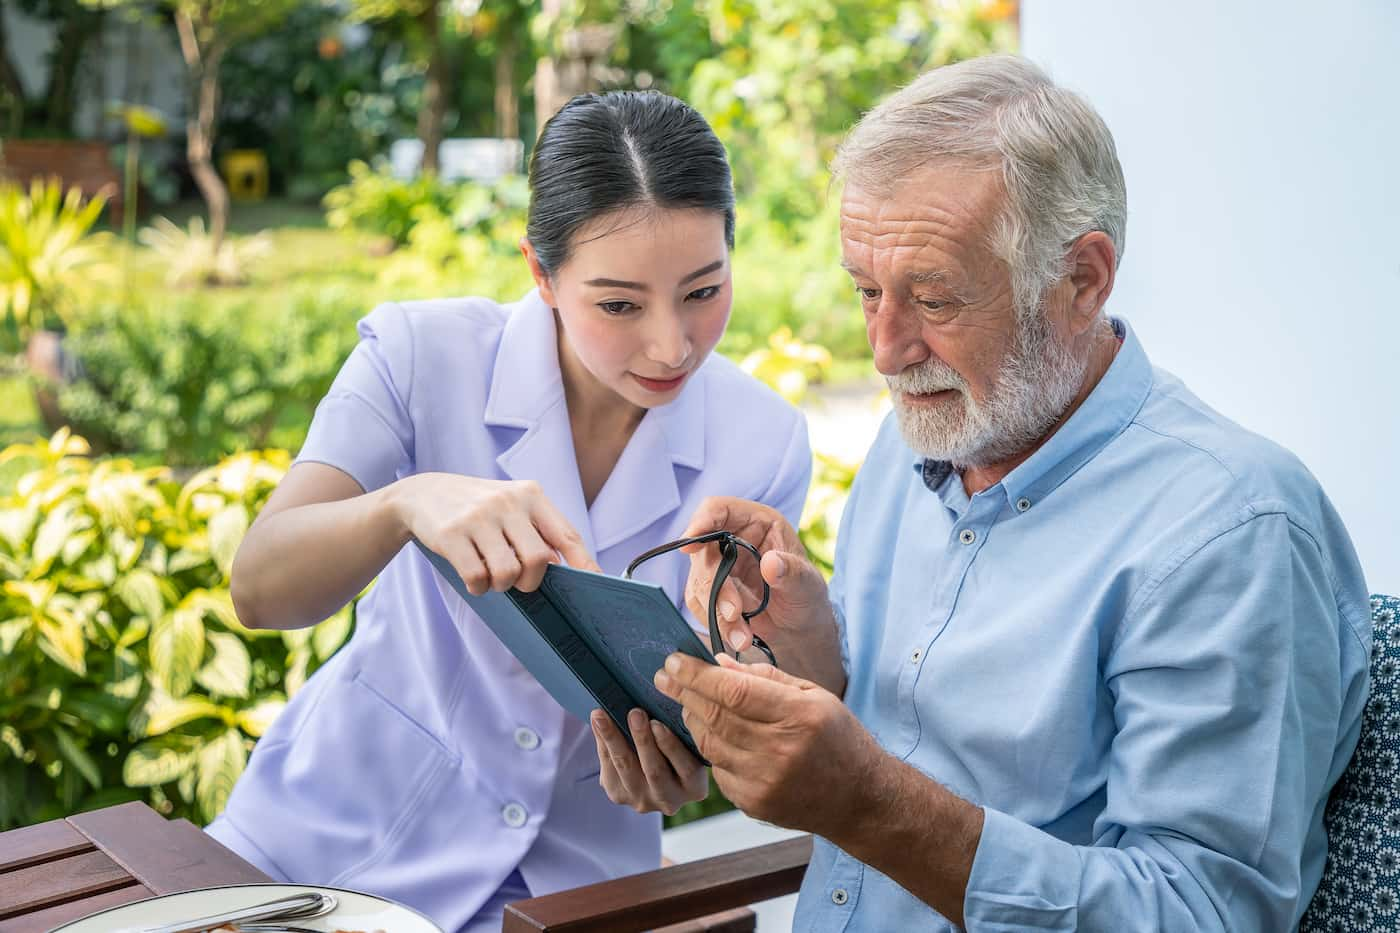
column 593, row 641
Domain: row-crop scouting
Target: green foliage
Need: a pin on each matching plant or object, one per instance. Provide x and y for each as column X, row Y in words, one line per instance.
column 192, row 257
column 124, row 673
column 45, row 247
column 374, row 201
column 193, row 383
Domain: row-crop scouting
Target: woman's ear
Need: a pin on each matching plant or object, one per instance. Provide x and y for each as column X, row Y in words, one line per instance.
column 527, row 249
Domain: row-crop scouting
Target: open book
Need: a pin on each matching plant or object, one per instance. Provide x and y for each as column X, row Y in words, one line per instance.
column 591, row 640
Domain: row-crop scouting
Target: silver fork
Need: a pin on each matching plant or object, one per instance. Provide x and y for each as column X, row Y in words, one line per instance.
column 304, row 906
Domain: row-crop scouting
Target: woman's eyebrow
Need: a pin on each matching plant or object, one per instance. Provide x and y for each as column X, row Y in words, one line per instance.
column 715, row 266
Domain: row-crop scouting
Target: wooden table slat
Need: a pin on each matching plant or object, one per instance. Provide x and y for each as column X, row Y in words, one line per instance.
column 29, row 889
column 669, row 895
column 40, row 843
column 164, row 855
column 41, row 921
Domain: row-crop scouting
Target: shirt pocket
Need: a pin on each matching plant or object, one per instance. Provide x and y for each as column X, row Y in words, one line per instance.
column 342, row 796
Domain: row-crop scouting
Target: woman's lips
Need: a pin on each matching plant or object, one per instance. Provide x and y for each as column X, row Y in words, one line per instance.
column 659, row 385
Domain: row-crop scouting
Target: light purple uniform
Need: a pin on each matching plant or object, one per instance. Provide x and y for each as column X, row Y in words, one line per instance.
column 423, row 763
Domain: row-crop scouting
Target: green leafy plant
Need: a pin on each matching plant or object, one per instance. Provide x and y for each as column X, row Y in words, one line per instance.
column 193, row 257
column 374, row 201
column 124, row 673
column 192, row 383
column 46, row 245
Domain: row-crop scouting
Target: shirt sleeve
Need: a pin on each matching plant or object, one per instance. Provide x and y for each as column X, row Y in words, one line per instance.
column 363, row 426
column 1237, row 691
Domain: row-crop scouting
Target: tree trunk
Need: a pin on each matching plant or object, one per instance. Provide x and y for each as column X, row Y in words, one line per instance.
column 61, row 95
column 11, row 83
column 435, row 89
column 507, row 104
column 202, row 65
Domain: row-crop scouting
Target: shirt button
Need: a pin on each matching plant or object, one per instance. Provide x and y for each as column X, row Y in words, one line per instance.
column 918, row 653
column 967, row 536
column 1022, row 504
column 839, row 896
column 514, row 815
column 527, row 739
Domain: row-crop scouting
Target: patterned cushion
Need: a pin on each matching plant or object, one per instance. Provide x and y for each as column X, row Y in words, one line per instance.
column 1360, row 887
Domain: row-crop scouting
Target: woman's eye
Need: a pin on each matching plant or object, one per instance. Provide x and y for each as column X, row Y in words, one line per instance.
column 616, row 307
column 703, row 294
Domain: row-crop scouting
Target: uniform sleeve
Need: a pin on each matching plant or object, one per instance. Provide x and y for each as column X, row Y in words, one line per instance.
column 1237, row 693
column 364, row 426
column 788, row 492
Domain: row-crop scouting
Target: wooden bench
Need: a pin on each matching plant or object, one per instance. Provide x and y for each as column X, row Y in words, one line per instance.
column 85, row 163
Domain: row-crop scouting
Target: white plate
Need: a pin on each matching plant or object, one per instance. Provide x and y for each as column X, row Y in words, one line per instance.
column 354, row 911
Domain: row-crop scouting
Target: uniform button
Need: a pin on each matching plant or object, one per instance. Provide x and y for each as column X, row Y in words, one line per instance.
column 967, row 536
column 527, row 739
column 514, row 815
column 839, row 896
column 918, row 653
column 1022, row 504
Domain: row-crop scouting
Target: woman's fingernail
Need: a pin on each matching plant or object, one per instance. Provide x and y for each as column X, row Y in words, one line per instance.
column 726, row 611
column 737, row 640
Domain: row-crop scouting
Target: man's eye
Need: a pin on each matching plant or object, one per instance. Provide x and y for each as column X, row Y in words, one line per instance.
column 934, row 304
column 868, row 294
column 704, row 294
column 616, row 307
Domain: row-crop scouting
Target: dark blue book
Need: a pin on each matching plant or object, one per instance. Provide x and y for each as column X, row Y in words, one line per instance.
column 593, row 641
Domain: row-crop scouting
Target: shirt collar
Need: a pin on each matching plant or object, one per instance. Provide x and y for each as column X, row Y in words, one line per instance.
column 1109, row 408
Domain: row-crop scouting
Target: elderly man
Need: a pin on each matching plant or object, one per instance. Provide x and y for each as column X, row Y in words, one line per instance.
column 1102, row 652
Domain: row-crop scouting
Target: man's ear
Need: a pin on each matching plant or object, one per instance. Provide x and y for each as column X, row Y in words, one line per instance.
column 1093, row 263
column 532, row 259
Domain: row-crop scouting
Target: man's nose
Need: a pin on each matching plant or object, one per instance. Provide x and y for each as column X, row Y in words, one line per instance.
column 895, row 338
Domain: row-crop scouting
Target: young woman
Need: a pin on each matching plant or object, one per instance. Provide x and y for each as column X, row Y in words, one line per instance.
column 585, row 422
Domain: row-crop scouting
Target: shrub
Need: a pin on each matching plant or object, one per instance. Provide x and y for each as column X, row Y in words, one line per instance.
column 374, row 201
column 124, row 673
column 45, row 247
column 192, row 383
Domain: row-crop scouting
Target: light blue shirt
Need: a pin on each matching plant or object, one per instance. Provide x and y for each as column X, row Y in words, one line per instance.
column 1143, row 654
column 423, row 763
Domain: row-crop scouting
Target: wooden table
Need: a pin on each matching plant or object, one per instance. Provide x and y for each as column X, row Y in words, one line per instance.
column 55, row 872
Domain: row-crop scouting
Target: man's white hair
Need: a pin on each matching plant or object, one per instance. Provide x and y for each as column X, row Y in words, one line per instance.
column 1056, row 156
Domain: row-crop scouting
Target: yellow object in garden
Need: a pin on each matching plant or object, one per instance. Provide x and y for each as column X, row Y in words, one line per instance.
column 245, row 171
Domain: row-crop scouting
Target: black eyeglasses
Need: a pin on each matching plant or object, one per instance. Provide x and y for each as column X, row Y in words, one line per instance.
column 729, row 545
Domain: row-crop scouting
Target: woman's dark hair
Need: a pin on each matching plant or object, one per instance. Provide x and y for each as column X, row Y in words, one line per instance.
column 606, row 152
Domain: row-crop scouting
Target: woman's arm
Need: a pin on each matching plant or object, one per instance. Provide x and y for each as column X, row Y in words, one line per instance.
column 321, row 539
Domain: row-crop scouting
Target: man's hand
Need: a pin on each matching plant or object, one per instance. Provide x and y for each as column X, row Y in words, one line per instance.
column 786, row 751
column 782, row 749
column 798, row 623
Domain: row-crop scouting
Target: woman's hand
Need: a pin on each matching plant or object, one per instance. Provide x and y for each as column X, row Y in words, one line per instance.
column 495, row 533
column 661, row 774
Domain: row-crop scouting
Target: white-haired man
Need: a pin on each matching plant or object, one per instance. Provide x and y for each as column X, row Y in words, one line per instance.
column 1102, row 652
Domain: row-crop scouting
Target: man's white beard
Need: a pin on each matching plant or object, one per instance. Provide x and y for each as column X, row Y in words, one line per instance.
column 1039, row 378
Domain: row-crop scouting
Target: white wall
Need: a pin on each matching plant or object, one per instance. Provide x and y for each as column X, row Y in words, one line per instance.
column 1261, row 144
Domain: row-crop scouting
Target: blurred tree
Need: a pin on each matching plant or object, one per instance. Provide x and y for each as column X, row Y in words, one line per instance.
column 435, row 31
column 207, row 30
column 49, row 111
